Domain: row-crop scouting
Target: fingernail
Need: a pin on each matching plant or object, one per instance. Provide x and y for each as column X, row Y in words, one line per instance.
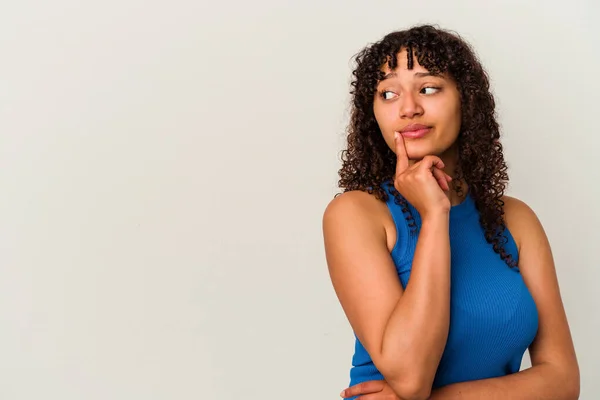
column 342, row 394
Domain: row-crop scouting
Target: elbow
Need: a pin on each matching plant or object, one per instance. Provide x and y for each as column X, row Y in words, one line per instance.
column 411, row 390
column 575, row 394
column 573, row 388
column 409, row 385
column 570, row 381
column 572, row 392
column 566, row 379
column 418, row 393
column 411, row 379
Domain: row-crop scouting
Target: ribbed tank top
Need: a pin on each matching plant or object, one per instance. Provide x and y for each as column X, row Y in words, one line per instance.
column 493, row 317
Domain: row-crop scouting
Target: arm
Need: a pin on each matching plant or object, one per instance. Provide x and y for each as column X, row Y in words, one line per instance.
column 404, row 332
column 554, row 373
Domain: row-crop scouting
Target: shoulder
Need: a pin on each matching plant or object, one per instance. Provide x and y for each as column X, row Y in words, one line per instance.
column 360, row 212
column 522, row 222
column 517, row 211
column 353, row 202
column 353, row 206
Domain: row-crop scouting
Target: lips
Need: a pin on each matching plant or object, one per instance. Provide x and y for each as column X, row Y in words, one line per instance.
column 415, row 131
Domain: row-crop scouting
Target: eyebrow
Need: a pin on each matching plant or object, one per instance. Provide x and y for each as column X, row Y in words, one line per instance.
column 417, row 75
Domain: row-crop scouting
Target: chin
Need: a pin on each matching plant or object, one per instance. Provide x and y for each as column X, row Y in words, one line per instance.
column 419, row 155
column 418, row 152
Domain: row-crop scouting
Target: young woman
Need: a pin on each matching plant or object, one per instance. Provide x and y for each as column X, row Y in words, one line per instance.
column 445, row 280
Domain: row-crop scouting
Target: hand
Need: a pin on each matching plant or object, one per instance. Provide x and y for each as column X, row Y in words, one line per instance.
column 371, row 390
column 423, row 184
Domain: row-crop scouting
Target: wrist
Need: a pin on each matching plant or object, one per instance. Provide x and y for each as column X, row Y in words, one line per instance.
column 436, row 216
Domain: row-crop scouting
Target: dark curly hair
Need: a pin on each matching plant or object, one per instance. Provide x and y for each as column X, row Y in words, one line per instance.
column 368, row 161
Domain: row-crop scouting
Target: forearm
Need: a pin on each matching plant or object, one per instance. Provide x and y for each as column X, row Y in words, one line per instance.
column 417, row 330
column 540, row 382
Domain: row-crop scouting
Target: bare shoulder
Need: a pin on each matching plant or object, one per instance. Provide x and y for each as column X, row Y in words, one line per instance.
column 535, row 253
column 521, row 220
column 359, row 210
column 515, row 208
column 353, row 203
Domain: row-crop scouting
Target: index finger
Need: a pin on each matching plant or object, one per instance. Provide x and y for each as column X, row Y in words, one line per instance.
column 402, row 157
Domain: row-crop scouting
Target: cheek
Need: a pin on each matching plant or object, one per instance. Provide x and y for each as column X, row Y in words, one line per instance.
column 452, row 118
column 457, row 118
column 457, row 110
column 383, row 118
column 386, row 123
column 386, row 126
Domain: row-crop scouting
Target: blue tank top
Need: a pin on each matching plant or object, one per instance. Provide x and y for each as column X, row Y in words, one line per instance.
column 493, row 318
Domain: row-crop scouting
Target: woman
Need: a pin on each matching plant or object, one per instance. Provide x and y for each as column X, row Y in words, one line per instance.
column 444, row 279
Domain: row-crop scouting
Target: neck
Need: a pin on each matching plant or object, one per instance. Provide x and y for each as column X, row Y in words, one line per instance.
column 450, row 159
column 454, row 196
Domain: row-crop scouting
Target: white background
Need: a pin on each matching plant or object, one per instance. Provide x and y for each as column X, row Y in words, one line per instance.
column 164, row 167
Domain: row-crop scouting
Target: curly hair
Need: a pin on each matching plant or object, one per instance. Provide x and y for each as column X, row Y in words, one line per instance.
column 367, row 162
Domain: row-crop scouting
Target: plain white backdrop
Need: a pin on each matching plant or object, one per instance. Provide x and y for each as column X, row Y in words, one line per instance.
column 164, row 166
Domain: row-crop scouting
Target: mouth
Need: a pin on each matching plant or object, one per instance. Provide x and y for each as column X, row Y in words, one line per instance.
column 415, row 131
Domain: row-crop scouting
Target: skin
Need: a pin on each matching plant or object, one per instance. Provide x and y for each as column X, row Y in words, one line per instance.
column 555, row 372
column 415, row 96
column 358, row 256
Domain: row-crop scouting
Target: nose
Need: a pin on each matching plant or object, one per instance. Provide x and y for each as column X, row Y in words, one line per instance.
column 410, row 106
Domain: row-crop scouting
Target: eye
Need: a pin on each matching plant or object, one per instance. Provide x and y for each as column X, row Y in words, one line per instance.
column 387, row 95
column 430, row 90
